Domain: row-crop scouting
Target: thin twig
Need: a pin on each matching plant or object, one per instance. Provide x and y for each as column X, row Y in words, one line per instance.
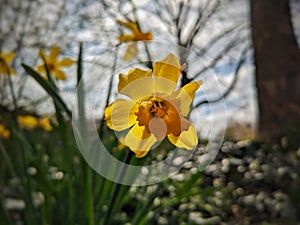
column 222, row 53
column 233, row 83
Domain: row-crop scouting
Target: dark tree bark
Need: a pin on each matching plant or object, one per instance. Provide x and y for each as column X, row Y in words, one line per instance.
column 277, row 60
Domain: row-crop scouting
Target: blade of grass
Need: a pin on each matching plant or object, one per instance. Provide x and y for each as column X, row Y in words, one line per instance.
column 50, row 78
column 125, row 188
column 11, row 88
column 105, row 188
column 49, row 88
column 30, row 215
column 110, row 86
column 3, row 215
column 117, row 189
column 7, row 160
column 89, row 204
column 62, row 128
column 141, row 213
column 79, row 64
column 45, row 184
column 186, row 186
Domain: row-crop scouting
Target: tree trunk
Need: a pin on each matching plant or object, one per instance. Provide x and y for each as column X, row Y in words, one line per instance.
column 277, row 61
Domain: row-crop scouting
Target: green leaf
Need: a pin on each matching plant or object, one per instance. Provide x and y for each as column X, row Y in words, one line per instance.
column 184, row 190
column 79, row 64
column 50, row 78
column 49, row 88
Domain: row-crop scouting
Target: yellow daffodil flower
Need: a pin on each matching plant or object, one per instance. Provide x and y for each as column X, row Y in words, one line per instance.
column 30, row 122
column 4, row 133
column 53, row 64
column 45, row 123
column 136, row 35
column 5, row 60
column 155, row 109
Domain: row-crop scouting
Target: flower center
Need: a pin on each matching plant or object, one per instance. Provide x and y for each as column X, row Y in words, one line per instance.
column 159, row 116
column 158, row 108
column 51, row 66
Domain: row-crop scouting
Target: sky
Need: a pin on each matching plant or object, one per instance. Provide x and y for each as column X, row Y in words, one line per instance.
column 26, row 26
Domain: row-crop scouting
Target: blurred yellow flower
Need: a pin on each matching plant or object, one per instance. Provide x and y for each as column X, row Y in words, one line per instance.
column 155, row 109
column 136, row 35
column 45, row 123
column 30, row 122
column 4, row 133
column 53, row 64
column 121, row 146
column 5, row 60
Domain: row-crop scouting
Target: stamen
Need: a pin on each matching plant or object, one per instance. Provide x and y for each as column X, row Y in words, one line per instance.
column 183, row 67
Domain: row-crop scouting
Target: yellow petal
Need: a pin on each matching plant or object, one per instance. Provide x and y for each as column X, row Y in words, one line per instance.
column 132, row 75
column 41, row 68
column 11, row 71
column 130, row 25
column 120, row 115
column 126, row 37
column 164, row 86
column 130, row 52
column 28, row 122
column 45, row 123
column 4, row 132
column 42, row 54
column 168, row 68
column 143, row 36
column 2, row 68
column 137, row 84
column 5, row 69
column 187, row 139
column 139, row 153
column 186, row 96
column 7, row 57
column 54, row 53
column 139, row 140
column 59, row 75
column 66, row 62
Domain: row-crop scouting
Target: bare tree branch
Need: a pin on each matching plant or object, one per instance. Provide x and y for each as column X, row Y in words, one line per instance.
column 201, row 21
column 221, row 54
column 242, row 60
column 215, row 39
